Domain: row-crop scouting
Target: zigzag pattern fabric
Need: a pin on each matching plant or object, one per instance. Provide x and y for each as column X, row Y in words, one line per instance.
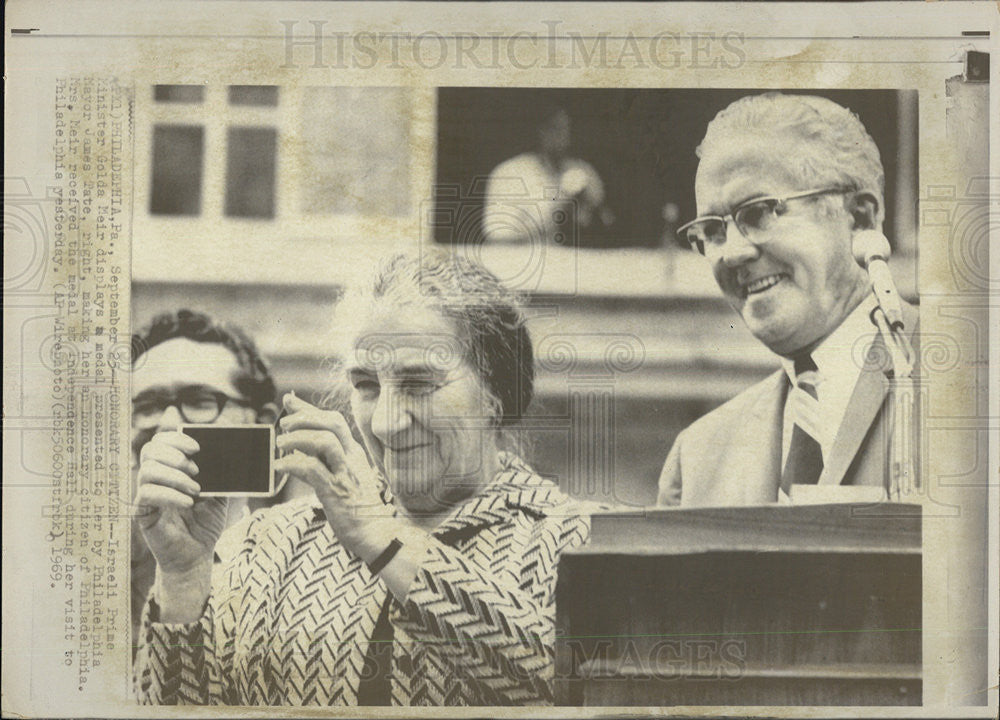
column 290, row 619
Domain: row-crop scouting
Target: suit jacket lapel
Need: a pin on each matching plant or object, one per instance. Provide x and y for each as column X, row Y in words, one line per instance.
column 865, row 403
column 756, row 467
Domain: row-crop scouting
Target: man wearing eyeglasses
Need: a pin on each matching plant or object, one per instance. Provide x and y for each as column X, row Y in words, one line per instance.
column 784, row 187
column 186, row 368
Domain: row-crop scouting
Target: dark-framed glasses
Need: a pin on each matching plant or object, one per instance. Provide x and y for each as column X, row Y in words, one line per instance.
column 196, row 405
column 752, row 218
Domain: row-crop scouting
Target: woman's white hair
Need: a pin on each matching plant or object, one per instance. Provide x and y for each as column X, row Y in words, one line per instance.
column 488, row 317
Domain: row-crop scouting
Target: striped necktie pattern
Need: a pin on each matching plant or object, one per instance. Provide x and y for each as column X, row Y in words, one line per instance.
column 804, row 463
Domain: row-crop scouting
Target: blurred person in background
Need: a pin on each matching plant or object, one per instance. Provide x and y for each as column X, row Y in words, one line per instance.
column 424, row 571
column 546, row 194
column 786, row 186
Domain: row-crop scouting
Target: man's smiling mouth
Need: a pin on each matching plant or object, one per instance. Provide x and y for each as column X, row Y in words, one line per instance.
column 761, row 284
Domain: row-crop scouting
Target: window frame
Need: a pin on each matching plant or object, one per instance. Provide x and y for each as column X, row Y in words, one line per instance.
column 203, row 248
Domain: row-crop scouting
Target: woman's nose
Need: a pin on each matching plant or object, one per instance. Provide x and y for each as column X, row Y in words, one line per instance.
column 391, row 414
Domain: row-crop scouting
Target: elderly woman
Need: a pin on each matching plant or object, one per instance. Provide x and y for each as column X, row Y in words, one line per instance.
column 436, row 590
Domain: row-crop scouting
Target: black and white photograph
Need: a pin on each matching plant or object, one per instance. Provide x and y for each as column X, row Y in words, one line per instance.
column 535, row 173
column 401, row 362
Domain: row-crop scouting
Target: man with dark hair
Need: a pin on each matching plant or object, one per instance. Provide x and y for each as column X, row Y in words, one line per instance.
column 789, row 192
column 173, row 351
column 187, row 368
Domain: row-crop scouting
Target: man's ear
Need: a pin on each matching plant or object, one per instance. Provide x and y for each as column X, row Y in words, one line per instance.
column 267, row 414
column 863, row 207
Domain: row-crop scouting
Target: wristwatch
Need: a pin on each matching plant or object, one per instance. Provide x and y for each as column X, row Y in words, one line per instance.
column 385, row 557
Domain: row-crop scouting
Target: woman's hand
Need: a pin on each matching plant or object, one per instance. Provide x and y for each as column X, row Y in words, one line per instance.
column 180, row 528
column 320, row 450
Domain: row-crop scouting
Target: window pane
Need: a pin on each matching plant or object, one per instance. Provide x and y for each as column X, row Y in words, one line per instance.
column 179, row 93
column 178, row 151
column 264, row 95
column 250, row 165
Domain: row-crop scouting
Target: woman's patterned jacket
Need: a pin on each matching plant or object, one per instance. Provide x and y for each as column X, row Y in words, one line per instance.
column 290, row 618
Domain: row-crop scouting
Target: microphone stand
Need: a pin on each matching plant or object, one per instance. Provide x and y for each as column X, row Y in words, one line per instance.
column 902, row 480
column 871, row 250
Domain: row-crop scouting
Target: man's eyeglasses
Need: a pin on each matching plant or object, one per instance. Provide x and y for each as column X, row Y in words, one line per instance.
column 752, row 218
column 195, row 406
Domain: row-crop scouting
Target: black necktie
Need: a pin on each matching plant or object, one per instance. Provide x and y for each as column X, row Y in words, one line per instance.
column 805, row 456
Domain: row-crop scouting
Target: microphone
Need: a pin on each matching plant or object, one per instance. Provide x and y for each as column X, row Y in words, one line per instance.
column 871, row 251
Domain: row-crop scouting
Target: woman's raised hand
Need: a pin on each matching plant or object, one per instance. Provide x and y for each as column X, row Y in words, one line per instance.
column 180, row 528
column 320, row 450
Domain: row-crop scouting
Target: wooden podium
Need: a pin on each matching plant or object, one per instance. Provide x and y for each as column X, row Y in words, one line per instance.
column 774, row 605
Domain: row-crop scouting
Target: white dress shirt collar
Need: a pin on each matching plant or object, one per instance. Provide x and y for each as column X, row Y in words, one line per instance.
column 841, row 354
column 839, row 359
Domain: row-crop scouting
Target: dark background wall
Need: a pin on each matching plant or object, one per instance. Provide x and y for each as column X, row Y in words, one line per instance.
column 641, row 142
